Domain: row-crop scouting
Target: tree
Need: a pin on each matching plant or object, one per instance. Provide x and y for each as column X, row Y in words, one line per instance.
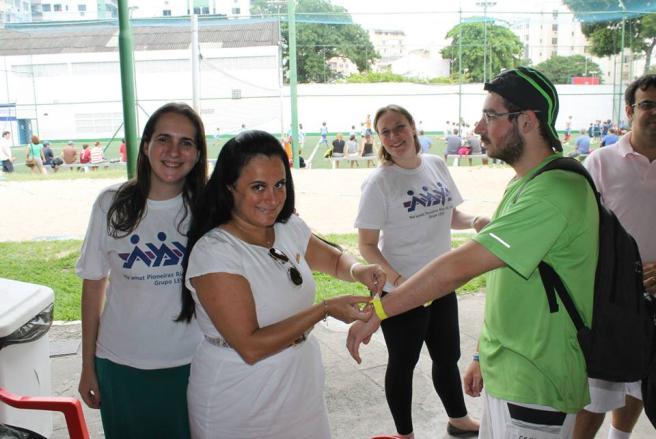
column 601, row 23
column 504, row 49
column 322, row 32
column 560, row 69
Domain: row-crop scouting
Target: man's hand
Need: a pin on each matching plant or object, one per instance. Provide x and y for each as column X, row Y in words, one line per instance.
column 472, row 382
column 360, row 332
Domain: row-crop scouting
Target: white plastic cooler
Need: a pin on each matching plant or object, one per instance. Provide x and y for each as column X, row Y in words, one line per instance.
column 25, row 318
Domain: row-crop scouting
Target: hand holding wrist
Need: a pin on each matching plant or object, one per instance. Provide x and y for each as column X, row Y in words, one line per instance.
column 354, row 266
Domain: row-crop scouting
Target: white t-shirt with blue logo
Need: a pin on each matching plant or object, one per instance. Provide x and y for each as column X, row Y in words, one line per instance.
column 137, row 326
column 412, row 208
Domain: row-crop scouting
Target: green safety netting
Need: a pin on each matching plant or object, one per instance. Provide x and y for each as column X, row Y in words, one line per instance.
column 592, row 11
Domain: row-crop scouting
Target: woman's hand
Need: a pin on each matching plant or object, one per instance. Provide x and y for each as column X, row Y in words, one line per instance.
column 347, row 308
column 88, row 387
column 372, row 276
column 479, row 222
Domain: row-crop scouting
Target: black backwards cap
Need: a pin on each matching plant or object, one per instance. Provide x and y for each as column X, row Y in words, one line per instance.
column 529, row 89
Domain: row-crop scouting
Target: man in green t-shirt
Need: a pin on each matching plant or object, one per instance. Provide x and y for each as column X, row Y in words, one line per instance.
column 530, row 360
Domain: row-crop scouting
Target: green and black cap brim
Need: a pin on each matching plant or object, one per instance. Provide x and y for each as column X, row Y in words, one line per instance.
column 528, row 89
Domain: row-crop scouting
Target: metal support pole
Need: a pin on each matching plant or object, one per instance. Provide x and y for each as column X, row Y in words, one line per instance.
column 36, row 106
column 619, row 94
column 195, row 64
column 460, row 70
column 291, row 11
column 127, row 85
column 281, row 81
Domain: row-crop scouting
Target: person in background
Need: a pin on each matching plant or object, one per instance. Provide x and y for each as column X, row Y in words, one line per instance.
column 85, row 157
column 35, row 156
column 624, row 175
column 135, row 356
column 97, row 156
column 530, row 362
column 123, row 151
column 258, row 373
column 367, row 125
column 453, row 144
column 69, row 153
column 48, row 153
column 474, row 143
column 568, row 129
column 5, row 152
column 407, row 209
column 367, row 149
column 352, row 150
column 610, row 138
column 338, row 148
column 425, row 142
column 582, row 145
column 324, row 134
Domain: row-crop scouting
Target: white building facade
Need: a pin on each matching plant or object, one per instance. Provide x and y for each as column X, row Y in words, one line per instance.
column 77, row 95
column 177, row 8
column 15, row 11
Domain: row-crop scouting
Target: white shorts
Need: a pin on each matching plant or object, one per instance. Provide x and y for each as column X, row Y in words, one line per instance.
column 513, row 420
column 607, row 395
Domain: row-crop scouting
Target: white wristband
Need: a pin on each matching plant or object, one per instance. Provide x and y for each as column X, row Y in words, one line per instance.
column 355, row 264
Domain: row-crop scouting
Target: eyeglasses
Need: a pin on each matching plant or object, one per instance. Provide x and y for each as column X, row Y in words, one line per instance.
column 489, row 116
column 645, row 105
column 292, row 271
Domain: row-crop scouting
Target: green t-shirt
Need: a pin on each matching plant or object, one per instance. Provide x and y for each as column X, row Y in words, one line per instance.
column 528, row 354
column 35, row 150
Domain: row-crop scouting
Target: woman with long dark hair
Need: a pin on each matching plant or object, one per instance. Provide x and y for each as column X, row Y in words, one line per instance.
column 135, row 356
column 258, row 373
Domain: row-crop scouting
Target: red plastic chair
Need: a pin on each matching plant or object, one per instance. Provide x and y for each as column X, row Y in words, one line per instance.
column 70, row 407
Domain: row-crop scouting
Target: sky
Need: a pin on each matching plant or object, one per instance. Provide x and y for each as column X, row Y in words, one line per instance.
column 427, row 21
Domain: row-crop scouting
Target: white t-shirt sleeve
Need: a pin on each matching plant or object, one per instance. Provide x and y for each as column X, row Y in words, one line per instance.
column 372, row 210
column 213, row 253
column 94, row 263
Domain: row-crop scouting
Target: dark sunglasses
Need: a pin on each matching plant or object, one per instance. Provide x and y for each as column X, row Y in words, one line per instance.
column 292, row 271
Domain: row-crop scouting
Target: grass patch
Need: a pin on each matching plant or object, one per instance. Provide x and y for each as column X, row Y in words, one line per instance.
column 52, row 263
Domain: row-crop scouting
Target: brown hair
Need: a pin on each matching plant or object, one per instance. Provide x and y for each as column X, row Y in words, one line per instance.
column 383, row 155
column 35, row 140
column 129, row 203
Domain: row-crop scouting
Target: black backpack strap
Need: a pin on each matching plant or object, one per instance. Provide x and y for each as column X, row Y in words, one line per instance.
column 552, row 282
column 571, row 165
column 550, row 279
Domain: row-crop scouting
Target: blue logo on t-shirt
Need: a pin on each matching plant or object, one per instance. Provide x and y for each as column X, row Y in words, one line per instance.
column 156, row 255
column 440, row 194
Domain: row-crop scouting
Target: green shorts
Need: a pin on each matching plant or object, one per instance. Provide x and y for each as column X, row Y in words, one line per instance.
column 142, row 404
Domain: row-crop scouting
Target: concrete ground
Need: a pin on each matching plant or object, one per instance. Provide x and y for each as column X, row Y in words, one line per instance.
column 327, row 200
column 354, row 393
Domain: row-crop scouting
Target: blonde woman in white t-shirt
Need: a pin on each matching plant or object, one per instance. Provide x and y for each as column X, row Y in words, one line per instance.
column 407, row 209
column 259, row 372
column 135, row 356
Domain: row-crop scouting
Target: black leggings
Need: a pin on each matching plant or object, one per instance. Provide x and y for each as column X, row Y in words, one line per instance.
column 437, row 325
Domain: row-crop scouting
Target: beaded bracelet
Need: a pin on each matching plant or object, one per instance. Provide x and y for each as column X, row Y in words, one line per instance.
column 325, row 310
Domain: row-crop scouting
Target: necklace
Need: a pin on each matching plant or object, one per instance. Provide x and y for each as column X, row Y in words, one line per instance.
column 249, row 237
